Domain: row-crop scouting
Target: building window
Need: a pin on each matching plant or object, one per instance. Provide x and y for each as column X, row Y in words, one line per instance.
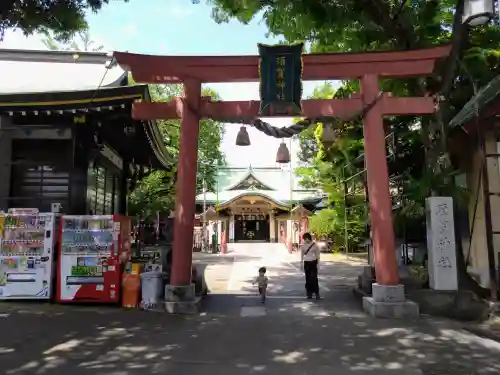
column 102, row 190
column 40, row 174
column 91, row 189
column 116, row 195
column 100, row 184
column 38, row 186
column 108, row 193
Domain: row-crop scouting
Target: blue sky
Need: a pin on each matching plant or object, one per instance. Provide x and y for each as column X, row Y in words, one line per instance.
column 178, row 27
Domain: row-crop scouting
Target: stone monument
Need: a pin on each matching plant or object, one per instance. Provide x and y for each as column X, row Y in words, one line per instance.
column 442, row 260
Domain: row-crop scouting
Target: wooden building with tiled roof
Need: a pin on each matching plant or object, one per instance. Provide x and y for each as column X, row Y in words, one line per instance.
column 66, row 133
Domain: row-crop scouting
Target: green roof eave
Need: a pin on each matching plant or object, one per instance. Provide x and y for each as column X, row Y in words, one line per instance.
column 224, row 200
column 485, row 96
column 245, row 177
column 278, row 202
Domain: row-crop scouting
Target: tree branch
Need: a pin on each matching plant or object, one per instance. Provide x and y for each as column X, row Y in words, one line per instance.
column 458, row 31
column 381, row 15
column 400, row 9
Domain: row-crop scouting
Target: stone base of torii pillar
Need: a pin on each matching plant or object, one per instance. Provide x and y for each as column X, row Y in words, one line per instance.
column 181, row 300
column 388, row 301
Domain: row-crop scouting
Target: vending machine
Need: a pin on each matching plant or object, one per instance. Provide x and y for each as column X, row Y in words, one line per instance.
column 92, row 251
column 26, row 254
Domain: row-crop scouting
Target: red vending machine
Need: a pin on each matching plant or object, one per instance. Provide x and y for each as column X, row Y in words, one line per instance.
column 92, row 250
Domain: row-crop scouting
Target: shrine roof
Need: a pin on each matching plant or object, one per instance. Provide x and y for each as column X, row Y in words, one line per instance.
column 54, row 83
column 280, row 198
column 26, row 71
column 485, row 97
column 271, row 183
column 274, row 178
column 79, row 100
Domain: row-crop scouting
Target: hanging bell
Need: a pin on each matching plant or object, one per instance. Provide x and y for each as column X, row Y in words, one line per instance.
column 328, row 136
column 283, row 155
column 243, row 139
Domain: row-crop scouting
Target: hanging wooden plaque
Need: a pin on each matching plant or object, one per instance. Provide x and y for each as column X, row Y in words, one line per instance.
column 280, row 69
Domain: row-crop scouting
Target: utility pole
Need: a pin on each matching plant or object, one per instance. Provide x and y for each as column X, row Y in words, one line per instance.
column 291, row 221
column 204, row 225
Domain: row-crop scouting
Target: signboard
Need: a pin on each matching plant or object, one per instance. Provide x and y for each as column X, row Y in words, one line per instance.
column 23, row 211
column 112, row 156
column 442, row 261
column 86, row 271
column 280, row 69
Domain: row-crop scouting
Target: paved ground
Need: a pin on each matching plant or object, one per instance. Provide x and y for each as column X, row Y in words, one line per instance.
column 237, row 335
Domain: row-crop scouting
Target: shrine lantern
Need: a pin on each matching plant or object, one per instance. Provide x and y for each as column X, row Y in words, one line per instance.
column 478, row 12
column 280, row 69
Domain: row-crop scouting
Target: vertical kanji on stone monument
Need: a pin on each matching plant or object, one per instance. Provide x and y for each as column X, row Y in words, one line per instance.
column 280, row 69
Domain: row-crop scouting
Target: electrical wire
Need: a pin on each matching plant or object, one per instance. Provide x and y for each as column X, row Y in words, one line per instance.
column 108, row 67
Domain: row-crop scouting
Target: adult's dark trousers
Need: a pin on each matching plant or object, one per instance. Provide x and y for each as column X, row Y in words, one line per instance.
column 311, row 273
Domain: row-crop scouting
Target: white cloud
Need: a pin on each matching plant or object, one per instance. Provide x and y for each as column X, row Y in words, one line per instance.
column 17, row 40
column 129, row 30
column 163, row 47
column 101, row 41
column 180, row 11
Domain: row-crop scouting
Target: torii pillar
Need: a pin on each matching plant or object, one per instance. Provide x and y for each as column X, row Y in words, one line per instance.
column 378, row 186
column 180, row 294
column 388, row 295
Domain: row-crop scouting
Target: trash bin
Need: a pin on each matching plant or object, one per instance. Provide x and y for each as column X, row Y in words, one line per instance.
column 131, row 285
column 151, row 288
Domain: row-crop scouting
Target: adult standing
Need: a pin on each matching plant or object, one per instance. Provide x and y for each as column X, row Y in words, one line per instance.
column 309, row 256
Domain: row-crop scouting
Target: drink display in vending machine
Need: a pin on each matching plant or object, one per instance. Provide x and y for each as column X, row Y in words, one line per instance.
column 90, row 258
column 26, row 254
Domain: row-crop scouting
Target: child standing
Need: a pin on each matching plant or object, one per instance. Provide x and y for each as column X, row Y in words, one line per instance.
column 262, row 282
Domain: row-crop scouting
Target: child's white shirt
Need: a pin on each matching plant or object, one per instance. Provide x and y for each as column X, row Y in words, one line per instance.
column 261, row 281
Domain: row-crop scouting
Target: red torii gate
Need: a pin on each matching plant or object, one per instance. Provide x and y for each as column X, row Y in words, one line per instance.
column 192, row 71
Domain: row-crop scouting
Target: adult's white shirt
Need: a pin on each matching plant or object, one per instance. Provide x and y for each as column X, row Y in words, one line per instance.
column 309, row 251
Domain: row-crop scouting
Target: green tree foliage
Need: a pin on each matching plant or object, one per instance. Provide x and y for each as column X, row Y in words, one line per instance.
column 334, row 224
column 325, row 224
column 156, row 191
column 327, row 168
column 63, row 18
column 153, row 193
column 367, row 25
column 83, row 42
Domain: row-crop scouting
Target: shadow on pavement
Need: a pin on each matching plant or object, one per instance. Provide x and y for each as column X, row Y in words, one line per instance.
column 288, row 335
column 62, row 341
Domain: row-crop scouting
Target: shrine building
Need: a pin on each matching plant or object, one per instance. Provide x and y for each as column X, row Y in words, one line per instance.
column 67, row 136
column 259, row 204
